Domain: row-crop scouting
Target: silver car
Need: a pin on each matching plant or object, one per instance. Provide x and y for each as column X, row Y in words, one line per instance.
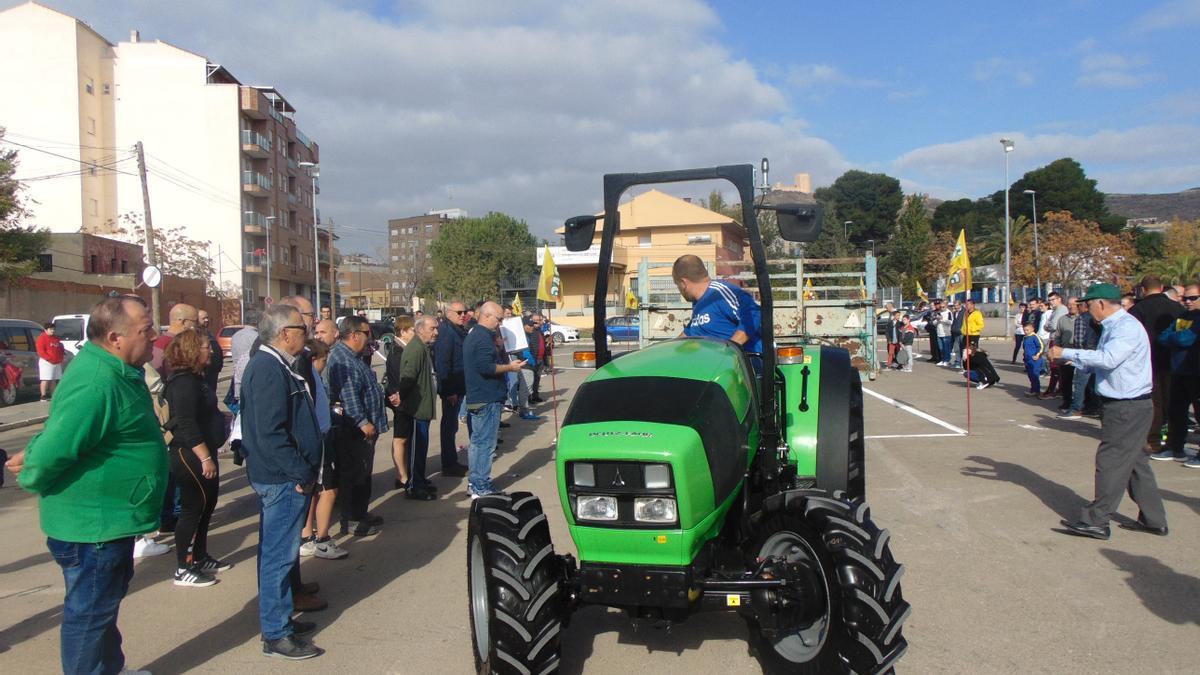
column 17, row 345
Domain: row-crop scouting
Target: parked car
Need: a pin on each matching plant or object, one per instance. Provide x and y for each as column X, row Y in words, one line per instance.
column 225, row 338
column 562, row 333
column 72, row 330
column 624, row 328
column 17, row 346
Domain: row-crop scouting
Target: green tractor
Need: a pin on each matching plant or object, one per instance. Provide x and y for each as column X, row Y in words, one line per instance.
column 694, row 478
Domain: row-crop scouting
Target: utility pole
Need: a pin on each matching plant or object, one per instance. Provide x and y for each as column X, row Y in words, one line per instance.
column 332, row 275
column 151, row 256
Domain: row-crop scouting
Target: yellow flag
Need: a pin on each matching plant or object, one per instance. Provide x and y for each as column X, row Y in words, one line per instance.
column 959, row 280
column 631, row 301
column 517, row 308
column 549, row 285
column 809, row 293
column 862, row 287
column 921, row 292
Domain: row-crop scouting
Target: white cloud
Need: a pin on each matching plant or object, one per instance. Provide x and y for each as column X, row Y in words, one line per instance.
column 1159, row 158
column 515, row 107
column 1112, row 71
column 1172, row 14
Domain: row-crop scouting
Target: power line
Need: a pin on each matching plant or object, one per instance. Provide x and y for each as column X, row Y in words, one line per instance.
column 64, row 144
column 93, row 168
column 55, row 154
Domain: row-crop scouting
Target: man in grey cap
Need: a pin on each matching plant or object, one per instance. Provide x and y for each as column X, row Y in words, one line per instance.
column 1121, row 364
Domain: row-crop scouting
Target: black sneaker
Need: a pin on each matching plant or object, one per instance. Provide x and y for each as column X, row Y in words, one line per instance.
column 209, row 565
column 374, row 520
column 193, row 577
column 292, row 647
column 424, row 494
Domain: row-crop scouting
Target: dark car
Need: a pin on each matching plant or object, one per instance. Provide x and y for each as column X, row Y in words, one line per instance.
column 624, row 328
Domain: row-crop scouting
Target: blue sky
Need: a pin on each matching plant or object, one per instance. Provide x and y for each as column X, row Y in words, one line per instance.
column 522, row 107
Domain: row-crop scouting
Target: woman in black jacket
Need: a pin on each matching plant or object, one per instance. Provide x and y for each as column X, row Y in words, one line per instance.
column 197, row 430
column 402, row 424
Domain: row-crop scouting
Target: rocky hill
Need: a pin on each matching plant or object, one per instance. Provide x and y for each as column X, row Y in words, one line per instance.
column 1184, row 205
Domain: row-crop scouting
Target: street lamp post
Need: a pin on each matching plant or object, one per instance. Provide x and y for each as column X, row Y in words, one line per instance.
column 1008, row 148
column 1037, row 267
column 846, row 230
column 314, row 171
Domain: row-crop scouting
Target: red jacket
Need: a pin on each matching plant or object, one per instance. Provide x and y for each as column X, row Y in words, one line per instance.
column 50, row 348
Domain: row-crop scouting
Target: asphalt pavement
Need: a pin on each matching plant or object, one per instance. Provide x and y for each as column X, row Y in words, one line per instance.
column 994, row 588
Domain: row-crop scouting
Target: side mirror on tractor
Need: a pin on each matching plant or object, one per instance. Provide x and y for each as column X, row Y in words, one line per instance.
column 580, row 231
column 797, row 222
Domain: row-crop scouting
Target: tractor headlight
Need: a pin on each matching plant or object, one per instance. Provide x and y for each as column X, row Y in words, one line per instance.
column 658, row 476
column 584, row 474
column 654, row 510
column 590, row 507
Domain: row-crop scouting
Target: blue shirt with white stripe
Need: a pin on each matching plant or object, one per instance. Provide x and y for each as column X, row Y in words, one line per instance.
column 723, row 310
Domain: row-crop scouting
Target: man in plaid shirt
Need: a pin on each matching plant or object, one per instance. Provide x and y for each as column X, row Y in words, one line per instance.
column 1084, row 335
column 359, row 419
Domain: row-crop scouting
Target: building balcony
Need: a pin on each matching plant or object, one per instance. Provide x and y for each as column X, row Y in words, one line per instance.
column 255, row 183
column 293, row 164
column 292, row 198
column 254, row 104
column 255, row 144
column 254, row 263
column 254, row 223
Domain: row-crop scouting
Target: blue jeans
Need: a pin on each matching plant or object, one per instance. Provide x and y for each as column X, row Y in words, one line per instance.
column 956, row 347
column 283, row 510
column 417, row 451
column 944, row 348
column 485, row 424
column 449, row 431
column 97, row 578
column 1083, row 382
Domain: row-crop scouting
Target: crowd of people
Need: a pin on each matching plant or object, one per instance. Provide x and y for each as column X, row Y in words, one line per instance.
column 129, row 451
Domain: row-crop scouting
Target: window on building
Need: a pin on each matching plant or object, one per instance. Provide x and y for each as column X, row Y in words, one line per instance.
column 124, row 267
column 93, row 264
column 112, row 265
column 91, row 126
column 644, row 240
column 45, row 262
column 106, row 88
column 699, row 239
column 89, row 85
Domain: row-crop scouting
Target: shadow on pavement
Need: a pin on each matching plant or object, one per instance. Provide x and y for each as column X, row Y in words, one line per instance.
column 1170, row 595
column 1057, row 497
column 579, row 637
column 1172, row 496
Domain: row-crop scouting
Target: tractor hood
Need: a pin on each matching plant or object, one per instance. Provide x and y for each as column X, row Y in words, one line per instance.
column 704, row 360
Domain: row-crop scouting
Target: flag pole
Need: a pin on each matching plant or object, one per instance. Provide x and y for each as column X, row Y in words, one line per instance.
column 553, row 380
column 967, row 365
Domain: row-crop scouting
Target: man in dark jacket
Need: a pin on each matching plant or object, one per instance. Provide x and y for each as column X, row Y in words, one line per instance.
column 415, row 387
column 282, row 443
column 216, row 358
column 1157, row 312
column 957, row 315
column 1181, row 341
column 451, row 384
column 486, row 391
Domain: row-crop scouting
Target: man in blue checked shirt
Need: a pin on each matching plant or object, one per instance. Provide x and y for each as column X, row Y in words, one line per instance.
column 1121, row 364
column 719, row 309
column 354, row 389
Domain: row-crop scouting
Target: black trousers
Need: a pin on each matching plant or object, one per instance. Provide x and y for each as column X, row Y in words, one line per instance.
column 1184, row 392
column 1161, row 396
column 935, row 350
column 1018, row 340
column 357, row 458
column 1066, row 383
column 198, row 496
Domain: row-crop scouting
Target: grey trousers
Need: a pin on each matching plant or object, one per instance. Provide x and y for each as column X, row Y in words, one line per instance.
column 1122, row 464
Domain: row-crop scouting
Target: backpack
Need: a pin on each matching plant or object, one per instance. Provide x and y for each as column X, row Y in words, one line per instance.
column 162, row 410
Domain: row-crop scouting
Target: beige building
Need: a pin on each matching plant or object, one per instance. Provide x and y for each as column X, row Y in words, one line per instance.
column 655, row 228
column 363, row 283
column 226, row 162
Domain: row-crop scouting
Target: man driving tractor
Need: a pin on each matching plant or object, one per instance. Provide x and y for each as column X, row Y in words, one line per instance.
column 719, row 309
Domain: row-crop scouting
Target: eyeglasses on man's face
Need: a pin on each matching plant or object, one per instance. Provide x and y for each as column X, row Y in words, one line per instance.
column 1191, row 298
column 297, row 327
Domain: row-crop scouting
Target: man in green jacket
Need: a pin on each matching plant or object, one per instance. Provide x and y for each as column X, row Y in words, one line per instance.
column 99, row 468
column 417, row 396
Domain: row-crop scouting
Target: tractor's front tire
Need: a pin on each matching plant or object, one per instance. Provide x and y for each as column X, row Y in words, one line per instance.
column 860, row 610
column 513, row 586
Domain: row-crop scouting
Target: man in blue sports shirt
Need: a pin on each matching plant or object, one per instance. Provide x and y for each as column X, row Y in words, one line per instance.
column 719, row 309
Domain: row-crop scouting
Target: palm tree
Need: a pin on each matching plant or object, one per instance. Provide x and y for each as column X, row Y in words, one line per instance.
column 1182, row 269
column 990, row 248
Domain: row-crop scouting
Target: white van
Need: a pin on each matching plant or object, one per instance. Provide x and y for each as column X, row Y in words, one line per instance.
column 72, row 330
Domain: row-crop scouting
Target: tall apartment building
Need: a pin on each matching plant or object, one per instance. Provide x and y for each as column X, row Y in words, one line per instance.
column 410, row 258
column 226, row 162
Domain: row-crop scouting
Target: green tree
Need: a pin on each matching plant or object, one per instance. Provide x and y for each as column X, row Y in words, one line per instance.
column 1061, row 185
column 871, row 201
column 19, row 245
column 974, row 216
column 472, row 255
column 909, row 245
column 988, row 249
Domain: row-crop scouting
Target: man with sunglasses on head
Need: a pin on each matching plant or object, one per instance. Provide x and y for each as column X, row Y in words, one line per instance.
column 451, row 383
column 1182, row 340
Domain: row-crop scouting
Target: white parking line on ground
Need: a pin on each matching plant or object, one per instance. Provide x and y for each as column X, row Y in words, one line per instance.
column 919, row 413
column 869, row 438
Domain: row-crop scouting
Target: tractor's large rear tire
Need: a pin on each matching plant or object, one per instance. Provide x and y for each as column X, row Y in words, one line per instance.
column 856, row 475
column 513, row 586
column 860, row 610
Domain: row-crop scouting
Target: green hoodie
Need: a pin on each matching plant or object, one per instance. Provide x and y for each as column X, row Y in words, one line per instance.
column 100, row 464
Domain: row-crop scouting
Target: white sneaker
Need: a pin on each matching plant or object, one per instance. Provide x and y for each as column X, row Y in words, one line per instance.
column 981, row 385
column 148, row 548
column 308, row 548
column 329, row 550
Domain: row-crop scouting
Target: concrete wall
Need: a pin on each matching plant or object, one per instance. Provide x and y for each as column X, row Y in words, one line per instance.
column 41, row 299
